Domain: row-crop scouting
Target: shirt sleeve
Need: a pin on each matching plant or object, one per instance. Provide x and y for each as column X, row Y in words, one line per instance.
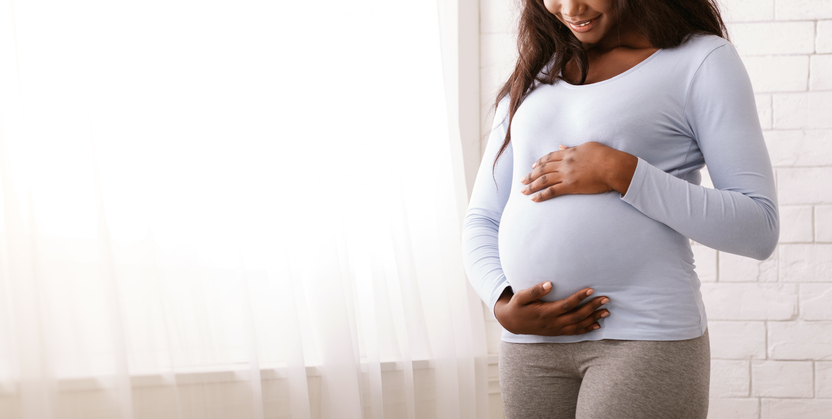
column 740, row 215
column 480, row 252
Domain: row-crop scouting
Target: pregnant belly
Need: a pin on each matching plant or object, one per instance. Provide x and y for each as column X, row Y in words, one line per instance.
column 596, row 241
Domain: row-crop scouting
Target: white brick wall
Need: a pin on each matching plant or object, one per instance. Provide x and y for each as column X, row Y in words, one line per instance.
column 730, row 378
column 782, row 379
column 823, row 43
column 770, row 321
column 737, row 339
column 823, row 223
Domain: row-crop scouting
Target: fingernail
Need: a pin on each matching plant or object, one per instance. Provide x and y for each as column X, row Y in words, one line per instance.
column 596, row 327
column 605, row 314
column 525, row 190
column 605, row 300
column 547, row 286
column 534, row 165
column 589, row 292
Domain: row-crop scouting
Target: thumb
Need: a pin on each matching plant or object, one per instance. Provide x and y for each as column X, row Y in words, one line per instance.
column 528, row 295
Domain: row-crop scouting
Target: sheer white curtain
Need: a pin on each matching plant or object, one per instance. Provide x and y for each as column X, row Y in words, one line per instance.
column 230, row 209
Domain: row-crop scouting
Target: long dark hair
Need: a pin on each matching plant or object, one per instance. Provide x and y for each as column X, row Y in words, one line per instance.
column 665, row 23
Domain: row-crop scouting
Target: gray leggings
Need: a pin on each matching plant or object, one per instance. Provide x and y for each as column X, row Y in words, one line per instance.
column 606, row 379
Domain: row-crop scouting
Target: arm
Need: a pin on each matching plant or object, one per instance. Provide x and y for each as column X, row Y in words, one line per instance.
column 482, row 220
column 740, row 216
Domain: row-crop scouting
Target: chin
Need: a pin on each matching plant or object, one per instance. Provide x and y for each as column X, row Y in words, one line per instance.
column 585, row 39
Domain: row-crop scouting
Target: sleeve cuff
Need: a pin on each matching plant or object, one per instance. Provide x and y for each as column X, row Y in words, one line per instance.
column 637, row 182
column 498, row 291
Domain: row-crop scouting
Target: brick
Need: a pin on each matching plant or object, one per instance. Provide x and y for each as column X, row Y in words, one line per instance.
column 734, row 409
column 737, row 340
column 815, row 301
column 498, row 16
column 782, row 379
column 729, row 379
column 764, row 111
column 735, row 268
column 783, row 73
column 801, row 186
column 491, row 79
column 823, row 380
column 487, row 314
column 802, row 9
column 769, row 38
column 493, row 333
column 800, row 340
column 498, row 49
column 790, row 110
column 795, row 224
column 706, row 178
column 820, row 72
column 754, row 301
column 790, row 408
column 806, row 262
column 823, row 39
column 746, row 10
column 823, row 224
column 796, row 148
column 819, row 110
column 705, row 261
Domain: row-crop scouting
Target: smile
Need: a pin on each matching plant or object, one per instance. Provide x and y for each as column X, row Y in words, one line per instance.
column 583, row 26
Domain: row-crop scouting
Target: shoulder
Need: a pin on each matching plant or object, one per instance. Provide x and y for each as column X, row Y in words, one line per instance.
column 697, row 52
column 696, row 48
column 702, row 43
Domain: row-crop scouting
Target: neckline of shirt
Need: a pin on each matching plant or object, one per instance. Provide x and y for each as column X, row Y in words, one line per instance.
column 613, row 78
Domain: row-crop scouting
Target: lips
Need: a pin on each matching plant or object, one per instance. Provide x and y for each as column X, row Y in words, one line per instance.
column 583, row 25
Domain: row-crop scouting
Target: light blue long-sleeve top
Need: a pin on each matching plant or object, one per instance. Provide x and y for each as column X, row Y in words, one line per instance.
column 677, row 110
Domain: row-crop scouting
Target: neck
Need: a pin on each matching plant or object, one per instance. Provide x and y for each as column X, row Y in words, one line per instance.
column 621, row 36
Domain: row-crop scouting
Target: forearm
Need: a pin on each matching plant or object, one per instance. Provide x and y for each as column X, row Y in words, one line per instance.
column 740, row 214
column 728, row 220
column 481, row 257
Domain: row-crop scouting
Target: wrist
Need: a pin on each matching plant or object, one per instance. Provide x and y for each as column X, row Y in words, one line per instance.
column 501, row 302
column 623, row 169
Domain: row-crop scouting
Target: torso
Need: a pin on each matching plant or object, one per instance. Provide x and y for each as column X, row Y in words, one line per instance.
column 600, row 241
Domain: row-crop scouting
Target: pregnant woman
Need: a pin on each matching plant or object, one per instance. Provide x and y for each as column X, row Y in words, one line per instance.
column 589, row 185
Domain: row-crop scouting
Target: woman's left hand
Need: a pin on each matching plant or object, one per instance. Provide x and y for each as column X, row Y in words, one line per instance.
column 589, row 168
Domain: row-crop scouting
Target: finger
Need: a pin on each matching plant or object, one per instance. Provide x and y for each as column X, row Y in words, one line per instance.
column 543, row 182
column 541, row 170
column 591, row 322
column 579, row 322
column 579, row 314
column 550, row 192
column 528, row 295
column 553, row 156
column 577, row 329
column 569, row 303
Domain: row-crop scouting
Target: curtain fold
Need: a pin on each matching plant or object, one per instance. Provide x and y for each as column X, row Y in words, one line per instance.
column 230, row 210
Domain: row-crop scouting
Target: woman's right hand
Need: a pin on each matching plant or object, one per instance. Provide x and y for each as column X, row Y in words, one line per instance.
column 525, row 314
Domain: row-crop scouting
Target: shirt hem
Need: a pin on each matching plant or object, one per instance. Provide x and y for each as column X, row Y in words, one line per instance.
column 621, row 334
